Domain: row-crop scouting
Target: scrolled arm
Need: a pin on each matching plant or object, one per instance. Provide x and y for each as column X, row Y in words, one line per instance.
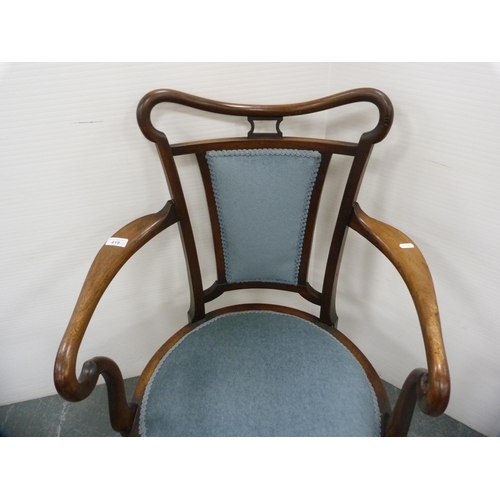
column 106, row 265
column 432, row 386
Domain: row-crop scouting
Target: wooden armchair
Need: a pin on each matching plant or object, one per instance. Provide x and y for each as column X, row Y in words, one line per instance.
column 257, row 369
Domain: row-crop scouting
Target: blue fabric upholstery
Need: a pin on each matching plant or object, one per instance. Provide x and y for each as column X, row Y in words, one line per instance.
column 259, row 373
column 262, row 199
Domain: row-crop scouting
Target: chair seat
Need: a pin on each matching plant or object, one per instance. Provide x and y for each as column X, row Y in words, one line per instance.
column 259, row 373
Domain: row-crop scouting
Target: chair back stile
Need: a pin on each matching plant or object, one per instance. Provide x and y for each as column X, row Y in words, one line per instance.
column 291, row 169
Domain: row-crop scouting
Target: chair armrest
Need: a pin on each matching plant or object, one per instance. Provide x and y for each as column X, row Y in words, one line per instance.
column 432, row 385
column 106, row 265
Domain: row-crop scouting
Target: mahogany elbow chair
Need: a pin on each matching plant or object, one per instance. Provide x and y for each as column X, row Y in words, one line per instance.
column 259, row 369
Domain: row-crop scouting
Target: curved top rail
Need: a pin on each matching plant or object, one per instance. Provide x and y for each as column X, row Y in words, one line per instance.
column 376, row 97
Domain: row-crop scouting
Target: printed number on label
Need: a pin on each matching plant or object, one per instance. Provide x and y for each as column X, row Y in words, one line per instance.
column 117, row 242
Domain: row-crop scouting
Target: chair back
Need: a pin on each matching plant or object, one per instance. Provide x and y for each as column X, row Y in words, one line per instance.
column 263, row 192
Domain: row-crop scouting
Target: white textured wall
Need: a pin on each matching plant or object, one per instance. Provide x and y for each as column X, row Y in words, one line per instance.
column 75, row 168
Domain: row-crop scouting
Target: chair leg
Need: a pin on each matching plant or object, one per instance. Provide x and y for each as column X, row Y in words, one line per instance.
column 400, row 420
column 121, row 413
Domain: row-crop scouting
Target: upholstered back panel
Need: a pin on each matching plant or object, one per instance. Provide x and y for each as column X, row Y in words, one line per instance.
column 262, row 198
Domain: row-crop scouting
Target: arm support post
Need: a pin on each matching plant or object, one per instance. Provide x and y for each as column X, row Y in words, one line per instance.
column 431, row 387
column 106, row 265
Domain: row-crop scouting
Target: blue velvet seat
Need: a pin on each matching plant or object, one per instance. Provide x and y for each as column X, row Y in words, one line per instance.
column 259, row 373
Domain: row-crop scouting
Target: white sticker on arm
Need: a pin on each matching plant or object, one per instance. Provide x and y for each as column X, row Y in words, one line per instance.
column 407, row 245
column 117, row 242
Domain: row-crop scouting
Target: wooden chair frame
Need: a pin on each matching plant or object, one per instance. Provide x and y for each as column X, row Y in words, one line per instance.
column 429, row 386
